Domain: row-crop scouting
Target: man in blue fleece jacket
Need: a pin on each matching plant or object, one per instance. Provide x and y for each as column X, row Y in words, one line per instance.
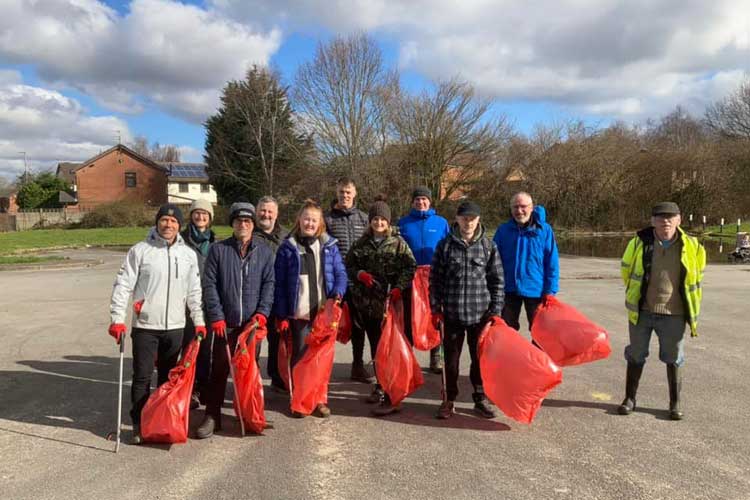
column 422, row 229
column 529, row 253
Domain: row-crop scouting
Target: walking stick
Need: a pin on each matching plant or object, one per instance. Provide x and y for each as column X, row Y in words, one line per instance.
column 119, row 394
column 234, row 386
column 442, row 356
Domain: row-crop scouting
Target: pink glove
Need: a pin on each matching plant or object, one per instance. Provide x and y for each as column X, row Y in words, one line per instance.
column 117, row 330
column 282, row 325
column 137, row 306
column 366, row 279
column 395, row 294
column 219, row 328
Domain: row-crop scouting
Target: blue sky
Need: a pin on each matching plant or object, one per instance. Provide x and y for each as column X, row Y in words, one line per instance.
column 74, row 72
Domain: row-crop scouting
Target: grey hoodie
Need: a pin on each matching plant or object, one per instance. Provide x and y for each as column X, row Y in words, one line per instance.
column 166, row 278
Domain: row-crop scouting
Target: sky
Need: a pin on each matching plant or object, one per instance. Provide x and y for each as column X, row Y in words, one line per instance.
column 76, row 76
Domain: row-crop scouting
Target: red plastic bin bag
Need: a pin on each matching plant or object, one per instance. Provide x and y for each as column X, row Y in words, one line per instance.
column 250, row 400
column 396, row 367
column 425, row 336
column 517, row 376
column 569, row 337
column 164, row 418
column 344, row 332
column 311, row 374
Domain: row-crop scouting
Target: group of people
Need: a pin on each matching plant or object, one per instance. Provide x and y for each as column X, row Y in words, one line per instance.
column 180, row 282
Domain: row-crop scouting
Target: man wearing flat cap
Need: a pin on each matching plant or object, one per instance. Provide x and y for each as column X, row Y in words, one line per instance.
column 662, row 269
column 238, row 287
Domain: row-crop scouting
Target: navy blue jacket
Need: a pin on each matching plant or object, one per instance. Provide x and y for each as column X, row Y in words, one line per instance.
column 529, row 254
column 235, row 288
column 422, row 231
column 287, row 274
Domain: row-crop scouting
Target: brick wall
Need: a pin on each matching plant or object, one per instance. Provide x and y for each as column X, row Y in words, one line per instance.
column 104, row 181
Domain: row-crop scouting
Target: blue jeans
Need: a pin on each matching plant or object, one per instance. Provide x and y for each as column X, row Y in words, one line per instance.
column 670, row 331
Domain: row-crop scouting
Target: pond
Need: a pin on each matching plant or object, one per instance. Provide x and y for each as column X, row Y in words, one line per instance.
column 717, row 251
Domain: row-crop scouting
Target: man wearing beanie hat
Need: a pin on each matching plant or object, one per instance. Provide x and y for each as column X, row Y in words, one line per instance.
column 160, row 295
column 345, row 222
column 662, row 269
column 529, row 252
column 199, row 236
column 422, row 229
column 238, row 287
column 466, row 292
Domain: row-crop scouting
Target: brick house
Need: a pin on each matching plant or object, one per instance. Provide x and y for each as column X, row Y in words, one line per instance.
column 117, row 174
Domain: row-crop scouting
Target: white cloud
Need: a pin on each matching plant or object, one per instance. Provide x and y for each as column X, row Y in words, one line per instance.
column 49, row 127
column 162, row 51
column 624, row 59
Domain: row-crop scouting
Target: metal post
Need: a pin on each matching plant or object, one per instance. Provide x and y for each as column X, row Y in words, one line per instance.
column 739, row 223
column 721, row 226
column 704, row 223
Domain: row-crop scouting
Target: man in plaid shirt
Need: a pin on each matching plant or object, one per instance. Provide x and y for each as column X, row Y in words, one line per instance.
column 466, row 292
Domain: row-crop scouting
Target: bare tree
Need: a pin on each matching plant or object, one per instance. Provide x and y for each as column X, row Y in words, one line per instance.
column 340, row 96
column 448, row 137
column 155, row 152
column 730, row 117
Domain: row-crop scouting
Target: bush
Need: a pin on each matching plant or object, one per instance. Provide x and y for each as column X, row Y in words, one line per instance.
column 119, row 214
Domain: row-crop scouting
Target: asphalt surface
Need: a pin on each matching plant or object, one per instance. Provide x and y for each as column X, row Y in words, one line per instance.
column 58, row 389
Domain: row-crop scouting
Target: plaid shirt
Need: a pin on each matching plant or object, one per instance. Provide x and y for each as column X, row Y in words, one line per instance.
column 466, row 280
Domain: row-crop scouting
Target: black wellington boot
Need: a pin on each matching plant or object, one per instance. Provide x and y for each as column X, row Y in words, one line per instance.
column 674, row 380
column 632, row 377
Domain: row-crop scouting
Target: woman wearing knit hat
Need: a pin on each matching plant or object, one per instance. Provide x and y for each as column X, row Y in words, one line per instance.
column 379, row 260
column 199, row 236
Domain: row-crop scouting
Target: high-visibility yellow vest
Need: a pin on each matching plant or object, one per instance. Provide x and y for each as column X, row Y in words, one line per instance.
column 693, row 260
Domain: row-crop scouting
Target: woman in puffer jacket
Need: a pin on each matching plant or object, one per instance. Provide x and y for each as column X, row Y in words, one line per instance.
column 309, row 270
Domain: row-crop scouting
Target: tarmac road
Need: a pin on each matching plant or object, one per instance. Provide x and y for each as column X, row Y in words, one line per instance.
column 58, row 370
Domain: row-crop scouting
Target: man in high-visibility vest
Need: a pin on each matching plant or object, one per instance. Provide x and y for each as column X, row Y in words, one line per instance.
column 663, row 270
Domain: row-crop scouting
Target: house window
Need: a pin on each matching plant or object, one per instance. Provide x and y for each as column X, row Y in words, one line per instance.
column 130, row 179
column 205, row 188
column 183, row 187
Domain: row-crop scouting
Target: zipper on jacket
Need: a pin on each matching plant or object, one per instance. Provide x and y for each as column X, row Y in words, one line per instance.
column 176, row 268
column 169, row 281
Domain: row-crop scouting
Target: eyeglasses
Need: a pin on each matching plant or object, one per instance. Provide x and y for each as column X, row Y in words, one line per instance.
column 243, row 222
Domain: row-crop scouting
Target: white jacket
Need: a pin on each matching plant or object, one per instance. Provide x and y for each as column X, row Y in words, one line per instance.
column 165, row 277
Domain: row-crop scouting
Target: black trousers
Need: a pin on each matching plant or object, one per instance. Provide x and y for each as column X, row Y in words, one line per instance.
column 453, row 344
column 272, row 366
column 358, row 332
column 162, row 346
column 512, row 309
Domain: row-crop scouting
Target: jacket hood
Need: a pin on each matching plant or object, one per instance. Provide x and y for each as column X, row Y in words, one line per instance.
column 421, row 214
column 539, row 214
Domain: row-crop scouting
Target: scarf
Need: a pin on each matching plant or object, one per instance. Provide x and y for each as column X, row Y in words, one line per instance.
column 201, row 240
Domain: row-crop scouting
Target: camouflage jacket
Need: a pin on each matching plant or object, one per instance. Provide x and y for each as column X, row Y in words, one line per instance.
column 390, row 261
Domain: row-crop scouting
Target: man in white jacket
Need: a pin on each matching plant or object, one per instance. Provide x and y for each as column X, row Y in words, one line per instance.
column 162, row 276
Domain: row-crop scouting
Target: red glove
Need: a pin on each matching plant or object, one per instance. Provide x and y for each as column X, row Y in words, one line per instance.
column 219, row 328
column 200, row 331
column 117, row 330
column 260, row 319
column 495, row 320
column 437, row 319
column 366, row 278
column 137, row 306
column 395, row 294
column 282, row 325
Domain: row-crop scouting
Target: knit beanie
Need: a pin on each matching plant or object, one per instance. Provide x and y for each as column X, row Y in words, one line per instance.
column 202, row 205
column 380, row 209
column 241, row 209
column 168, row 209
column 421, row 191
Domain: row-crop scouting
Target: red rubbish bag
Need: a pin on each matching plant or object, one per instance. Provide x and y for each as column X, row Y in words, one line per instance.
column 311, row 374
column 569, row 337
column 164, row 418
column 425, row 335
column 283, row 355
column 396, row 367
column 344, row 332
column 517, row 376
column 248, row 381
